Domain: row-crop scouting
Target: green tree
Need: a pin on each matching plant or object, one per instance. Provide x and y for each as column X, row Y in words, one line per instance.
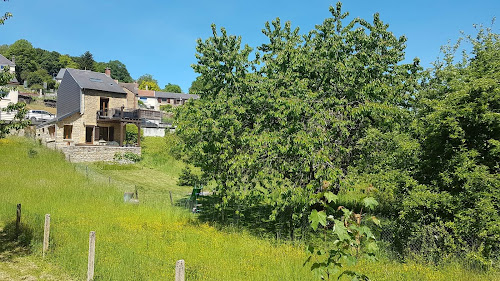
column 25, row 58
column 458, row 125
column 276, row 130
column 172, row 88
column 48, row 61
column 197, row 86
column 39, row 77
column 99, row 66
column 119, row 71
column 67, row 62
column 147, row 81
column 86, row 61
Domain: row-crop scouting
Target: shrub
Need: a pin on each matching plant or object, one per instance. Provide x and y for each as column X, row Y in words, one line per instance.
column 132, row 157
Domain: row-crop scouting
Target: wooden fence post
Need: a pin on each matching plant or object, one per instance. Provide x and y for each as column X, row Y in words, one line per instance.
column 46, row 234
column 18, row 220
column 90, row 267
column 171, row 201
column 180, row 269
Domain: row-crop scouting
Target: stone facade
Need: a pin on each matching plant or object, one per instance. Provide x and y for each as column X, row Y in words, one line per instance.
column 78, row 154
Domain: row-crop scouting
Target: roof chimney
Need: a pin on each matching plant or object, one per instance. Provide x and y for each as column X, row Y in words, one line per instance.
column 107, row 71
column 13, row 59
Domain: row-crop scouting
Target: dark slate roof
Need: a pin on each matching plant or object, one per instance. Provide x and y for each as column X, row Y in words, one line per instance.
column 130, row 86
column 87, row 79
column 165, row 95
column 5, row 61
column 60, row 74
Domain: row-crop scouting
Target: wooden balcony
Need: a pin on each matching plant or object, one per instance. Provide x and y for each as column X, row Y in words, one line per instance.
column 127, row 115
column 119, row 114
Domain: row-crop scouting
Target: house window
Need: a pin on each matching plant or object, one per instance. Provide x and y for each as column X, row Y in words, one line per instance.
column 104, row 106
column 68, row 129
column 168, row 100
column 107, row 133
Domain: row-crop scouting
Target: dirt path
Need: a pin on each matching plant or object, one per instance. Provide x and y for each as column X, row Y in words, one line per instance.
column 16, row 263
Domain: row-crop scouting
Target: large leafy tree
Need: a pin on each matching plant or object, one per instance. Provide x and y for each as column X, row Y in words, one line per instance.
column 276, row 130
column 86, row 61
column 459, row 129
column 119, row 71
column 67, row 62
column 25, row 58
column 147, row 81
column 172, row 88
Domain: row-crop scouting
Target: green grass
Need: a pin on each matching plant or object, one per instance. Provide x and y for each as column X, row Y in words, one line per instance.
column 143, row 242
column 134, row 242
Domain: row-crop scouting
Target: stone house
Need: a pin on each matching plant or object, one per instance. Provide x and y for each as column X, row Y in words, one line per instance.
column 155, row 99
column 92, row 113
column 12, row 96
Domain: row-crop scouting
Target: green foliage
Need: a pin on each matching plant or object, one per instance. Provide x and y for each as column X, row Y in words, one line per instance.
column 197, row 86
column 39, row 77
column 131, row 156
column 274, row 130
column 86, row 61
column 18, row 122
column 119, row 71
column 6, row 16
column 149, row 85
column 189, row 178
column 172, row 88
column 147, row 81
column 351, row 238
column 456, row 204
column 24, row 54
column 131, row 134
column 67, row 62
column 166, row 107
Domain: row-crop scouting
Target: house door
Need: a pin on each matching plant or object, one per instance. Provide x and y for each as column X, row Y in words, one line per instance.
column 104, row 106
column 88, row 133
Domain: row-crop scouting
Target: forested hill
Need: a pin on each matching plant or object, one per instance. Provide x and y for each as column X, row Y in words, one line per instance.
column 36, row 65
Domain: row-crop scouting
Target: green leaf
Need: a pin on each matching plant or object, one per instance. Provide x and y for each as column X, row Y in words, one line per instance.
column 376, row 221
column 370, row 202
column 341, row 231
column 330, row 197
column 316, row 218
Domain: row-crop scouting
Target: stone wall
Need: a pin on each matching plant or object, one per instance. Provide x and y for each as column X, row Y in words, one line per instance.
column 78, row 154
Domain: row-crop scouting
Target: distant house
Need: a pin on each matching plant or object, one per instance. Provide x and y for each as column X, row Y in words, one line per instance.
column 60, row 75
column 11, row 66
column 92, row 111
column 154, row 99
column 12, row 96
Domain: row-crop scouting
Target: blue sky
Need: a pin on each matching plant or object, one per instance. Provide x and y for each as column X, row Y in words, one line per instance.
column 159, row 37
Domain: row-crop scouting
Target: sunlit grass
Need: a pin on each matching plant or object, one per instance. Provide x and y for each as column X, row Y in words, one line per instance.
column 134, row 242
column 143, row 242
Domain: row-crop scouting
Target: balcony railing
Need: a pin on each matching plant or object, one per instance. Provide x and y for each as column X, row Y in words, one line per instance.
column 118, row 114
column 128, row 114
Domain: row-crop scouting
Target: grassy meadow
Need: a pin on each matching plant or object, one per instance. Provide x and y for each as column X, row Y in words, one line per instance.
column 143, row 242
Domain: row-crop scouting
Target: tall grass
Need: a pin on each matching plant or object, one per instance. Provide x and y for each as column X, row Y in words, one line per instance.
column 142, row 242
column 134, row 242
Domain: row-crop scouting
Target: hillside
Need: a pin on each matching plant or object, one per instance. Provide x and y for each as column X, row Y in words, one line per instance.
column 142, row 242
